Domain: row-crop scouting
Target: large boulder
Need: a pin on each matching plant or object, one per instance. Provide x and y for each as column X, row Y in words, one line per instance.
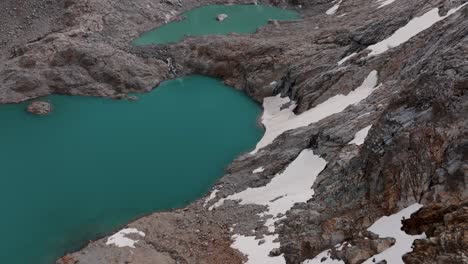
column 221, row 17
column 39, row 108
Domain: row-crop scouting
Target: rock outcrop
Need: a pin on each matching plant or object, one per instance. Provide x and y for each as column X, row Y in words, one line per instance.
column 446, row 227
column 414, row 152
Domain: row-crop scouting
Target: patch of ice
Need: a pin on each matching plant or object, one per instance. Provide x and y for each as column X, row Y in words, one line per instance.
column 319, row 257
column 390, row 226
column 120, row 240
column 258, row 254
column 360, row 136
column 334, row 8
column 278, row 119
column 258, row 170
column 383, row 3
column 286, row 188
column 414, row 26
column 211, row 197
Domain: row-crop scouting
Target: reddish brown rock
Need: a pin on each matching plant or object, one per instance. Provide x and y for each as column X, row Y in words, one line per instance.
column 446, row 227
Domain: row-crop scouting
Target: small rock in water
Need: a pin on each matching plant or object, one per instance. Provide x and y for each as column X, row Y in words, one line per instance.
column 39, row 108
column 221, row 17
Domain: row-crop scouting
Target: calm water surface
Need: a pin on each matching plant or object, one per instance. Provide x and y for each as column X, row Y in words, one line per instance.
column 95, row 164
column 202, row 21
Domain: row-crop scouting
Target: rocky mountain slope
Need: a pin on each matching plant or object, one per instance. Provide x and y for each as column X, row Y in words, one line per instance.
column 370, row 119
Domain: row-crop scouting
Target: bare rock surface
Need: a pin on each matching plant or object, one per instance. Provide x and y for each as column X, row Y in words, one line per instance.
column 415, row 151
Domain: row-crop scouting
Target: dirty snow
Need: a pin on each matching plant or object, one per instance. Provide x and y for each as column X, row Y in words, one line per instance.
column 286, row 188
column 211, row 197
column 319, row 257
column 278, row 120
column 390, row 226
column 334, row 8
column 258, row 170
column 120, row 240
column 360, row 136
column 258, row 254
column 415, row 26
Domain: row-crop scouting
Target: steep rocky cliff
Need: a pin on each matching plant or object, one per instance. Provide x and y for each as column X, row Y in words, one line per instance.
column 377, row 95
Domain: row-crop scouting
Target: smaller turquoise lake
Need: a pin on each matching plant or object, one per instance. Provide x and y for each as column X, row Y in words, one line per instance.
column 201, row 21
column 95, row 164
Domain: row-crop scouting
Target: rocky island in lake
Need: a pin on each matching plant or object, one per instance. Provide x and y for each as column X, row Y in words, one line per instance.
column 259, row 132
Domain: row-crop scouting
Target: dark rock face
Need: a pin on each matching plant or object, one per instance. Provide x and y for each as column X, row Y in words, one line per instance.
column 415, row 152
column 39, row 108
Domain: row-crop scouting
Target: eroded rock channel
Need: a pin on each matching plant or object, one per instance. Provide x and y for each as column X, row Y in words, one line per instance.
column 365, row 115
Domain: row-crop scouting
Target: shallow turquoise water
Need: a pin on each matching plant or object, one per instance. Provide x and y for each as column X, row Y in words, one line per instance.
column 202, row 21
column 94, row 164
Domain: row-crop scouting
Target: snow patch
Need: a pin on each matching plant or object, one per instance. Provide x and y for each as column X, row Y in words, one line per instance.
column 120, row 240
column 346, row 58
column 277, row 118
column 360, row 136
column 258, row 254
column 328, row 260
column 211, row 197
column 334, row 8
column 414, row 27
column 258, row 170
column 287, row 188
column 390, row 226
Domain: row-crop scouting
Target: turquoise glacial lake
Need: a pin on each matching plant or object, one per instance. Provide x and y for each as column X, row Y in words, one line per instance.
column 201, row 21
column 95, row 164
